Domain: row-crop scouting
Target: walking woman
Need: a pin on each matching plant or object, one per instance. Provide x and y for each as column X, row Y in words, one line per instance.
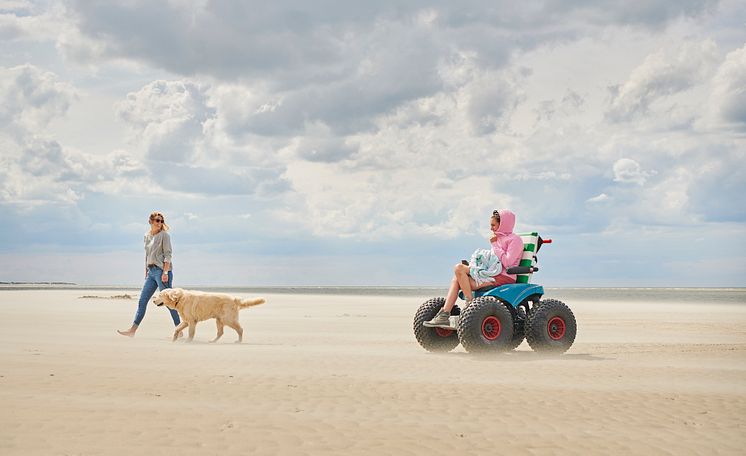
column 158, row 269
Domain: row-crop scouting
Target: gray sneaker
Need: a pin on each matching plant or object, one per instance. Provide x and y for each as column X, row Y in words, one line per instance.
column 440, row 320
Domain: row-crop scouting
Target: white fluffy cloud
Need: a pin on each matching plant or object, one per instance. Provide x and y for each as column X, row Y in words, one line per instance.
column 186, row 131
column 662, row 74
column 43, row 172
column 27, row 20
column 729, row 92
column 30, row 98
column 598, row 198
column 37, row 169
column 629, row 171
column 168, row 116
column 32, row 166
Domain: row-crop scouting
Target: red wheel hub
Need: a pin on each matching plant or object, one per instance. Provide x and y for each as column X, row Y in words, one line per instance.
column 491, row 327
column 443, row 332
column 556, row 328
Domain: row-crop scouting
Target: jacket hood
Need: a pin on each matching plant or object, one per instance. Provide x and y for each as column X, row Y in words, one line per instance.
column 507, row 222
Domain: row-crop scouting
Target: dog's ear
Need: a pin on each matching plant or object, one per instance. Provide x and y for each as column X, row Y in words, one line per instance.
column 166, row 297
column 175, row 294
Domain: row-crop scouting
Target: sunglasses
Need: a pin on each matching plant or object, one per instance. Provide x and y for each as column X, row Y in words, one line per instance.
column 158, row 220
column 496, row 214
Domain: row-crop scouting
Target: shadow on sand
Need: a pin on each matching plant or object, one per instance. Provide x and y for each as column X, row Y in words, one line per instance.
column 520, row 356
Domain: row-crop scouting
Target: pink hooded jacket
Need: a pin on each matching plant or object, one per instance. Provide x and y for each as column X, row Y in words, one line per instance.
column 508, row 246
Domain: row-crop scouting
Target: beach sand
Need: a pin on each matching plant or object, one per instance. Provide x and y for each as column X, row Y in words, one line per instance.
column 321, row 374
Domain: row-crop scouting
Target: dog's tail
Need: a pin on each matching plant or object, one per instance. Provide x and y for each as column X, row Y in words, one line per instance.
column 250, row 302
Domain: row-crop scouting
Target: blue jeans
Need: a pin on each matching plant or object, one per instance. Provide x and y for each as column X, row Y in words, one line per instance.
column 153, row 282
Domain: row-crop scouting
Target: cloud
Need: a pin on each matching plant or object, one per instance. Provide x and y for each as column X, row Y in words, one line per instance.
column 30, row 98
column 311, row 65
column 44, row 159
column 628, row 171
column 33, row 21
column 229, row 40
column 338, row 201
column 490, row 101
column 598, row 198
column 714, row 191
column 346, row 104
column 346, row 63
column 191, row 144
column 369, row 126
column 169, row 116
column 662, row 74
column 322, row 149
column 570, row 103
column 243, row 111
column 39, row 170
column 729, row 90
column 218, row 180
column 648, row 13
column 43, row 172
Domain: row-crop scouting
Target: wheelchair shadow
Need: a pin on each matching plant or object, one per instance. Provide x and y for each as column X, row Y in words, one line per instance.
column 522, row 356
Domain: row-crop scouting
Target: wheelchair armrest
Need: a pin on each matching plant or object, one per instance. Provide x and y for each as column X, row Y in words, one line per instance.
column 522, row 270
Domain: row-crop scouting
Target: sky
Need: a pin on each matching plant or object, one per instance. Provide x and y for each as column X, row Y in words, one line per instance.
column 367, row 143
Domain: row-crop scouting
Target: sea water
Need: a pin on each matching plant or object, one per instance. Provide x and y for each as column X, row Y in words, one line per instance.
column 681, row 295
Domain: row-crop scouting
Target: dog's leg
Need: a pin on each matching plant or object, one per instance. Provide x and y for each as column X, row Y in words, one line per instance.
column 178, row 330
column 220, row 330
column 192, row 328
column 235, row 325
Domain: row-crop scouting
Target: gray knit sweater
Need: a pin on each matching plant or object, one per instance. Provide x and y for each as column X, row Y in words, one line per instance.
column 158, row 249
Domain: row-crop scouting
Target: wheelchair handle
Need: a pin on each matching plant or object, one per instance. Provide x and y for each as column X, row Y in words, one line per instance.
column 522, row 270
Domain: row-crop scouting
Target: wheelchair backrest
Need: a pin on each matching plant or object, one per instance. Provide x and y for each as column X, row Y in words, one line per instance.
column 530, row 244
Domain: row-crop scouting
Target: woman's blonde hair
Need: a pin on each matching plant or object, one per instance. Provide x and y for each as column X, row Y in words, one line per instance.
column 154, row 214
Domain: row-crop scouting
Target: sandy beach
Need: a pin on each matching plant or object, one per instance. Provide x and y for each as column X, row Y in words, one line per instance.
column 339, row 374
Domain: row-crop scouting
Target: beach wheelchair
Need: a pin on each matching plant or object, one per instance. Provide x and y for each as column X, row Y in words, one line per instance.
column 499, row 318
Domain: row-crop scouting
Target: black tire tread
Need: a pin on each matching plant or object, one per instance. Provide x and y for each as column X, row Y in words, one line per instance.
column 427, row 337
column 470, row 320
column 536, row 323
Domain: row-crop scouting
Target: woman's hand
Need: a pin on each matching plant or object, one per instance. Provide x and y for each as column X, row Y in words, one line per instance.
column 493, row 239
column 164, row 277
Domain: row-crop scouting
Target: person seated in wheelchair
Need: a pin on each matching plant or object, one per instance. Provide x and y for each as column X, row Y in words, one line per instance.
column 506, row 245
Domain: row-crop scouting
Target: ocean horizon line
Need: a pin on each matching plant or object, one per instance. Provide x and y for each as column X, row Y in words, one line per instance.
column 714, row 295
column 74, row 285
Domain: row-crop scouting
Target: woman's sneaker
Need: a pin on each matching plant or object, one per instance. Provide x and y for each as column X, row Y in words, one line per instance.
column 441, row 319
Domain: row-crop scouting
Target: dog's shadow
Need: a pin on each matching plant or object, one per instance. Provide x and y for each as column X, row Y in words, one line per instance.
column 223, row 343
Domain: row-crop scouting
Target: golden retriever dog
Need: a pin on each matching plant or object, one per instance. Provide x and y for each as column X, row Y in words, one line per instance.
column 194, row 306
